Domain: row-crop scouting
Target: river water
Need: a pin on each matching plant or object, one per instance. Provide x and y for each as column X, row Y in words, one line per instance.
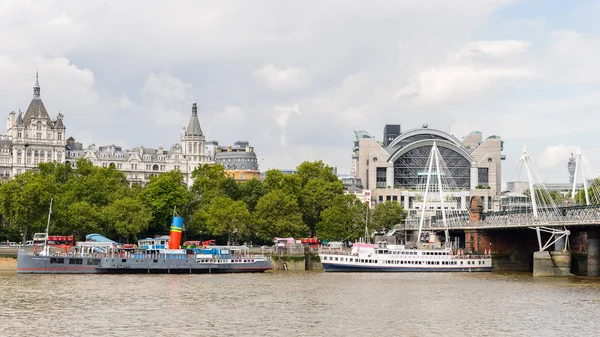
column 299, row 304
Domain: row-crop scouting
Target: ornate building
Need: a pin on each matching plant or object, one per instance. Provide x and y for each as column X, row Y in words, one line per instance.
column 140, row 164
column 239, row 160
column 31, row 138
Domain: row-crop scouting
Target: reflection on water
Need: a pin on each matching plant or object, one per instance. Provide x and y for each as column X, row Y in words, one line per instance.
column 298, row 304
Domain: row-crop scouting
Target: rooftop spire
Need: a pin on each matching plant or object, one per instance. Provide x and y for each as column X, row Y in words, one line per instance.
column 36, row 87
column 193, row 128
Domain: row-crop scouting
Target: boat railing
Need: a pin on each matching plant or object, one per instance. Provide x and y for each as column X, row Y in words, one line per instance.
column 471, row 256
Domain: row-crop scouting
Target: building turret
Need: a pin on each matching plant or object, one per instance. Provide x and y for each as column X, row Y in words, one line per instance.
column 36, row 87
column 193, row 128
column 192, row 143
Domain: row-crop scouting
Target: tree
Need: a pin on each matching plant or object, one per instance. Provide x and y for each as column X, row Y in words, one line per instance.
column 593, row 194
column 291, row 184
column 25, row 200
column 546, row 198
column 316, row 196
column 164, row 192
column 82, row 218
column 228, row 217
column 250, row 192
column 210, row 181
column 277, row 215
column 344, row 220
column 388, row 214
column 128, row 217
column 317, row 170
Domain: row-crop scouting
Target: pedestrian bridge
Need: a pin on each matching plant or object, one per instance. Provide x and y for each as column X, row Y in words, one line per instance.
column 568, row 217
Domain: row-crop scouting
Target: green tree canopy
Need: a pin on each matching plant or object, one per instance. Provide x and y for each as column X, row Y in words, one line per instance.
column 316, row 196
column 162, row 194
column 387, row 215
column 24, row 202
column 278, row 215
column 250, row 192
column 344, row 220
column 225, row 216
column 317, row 170
column 127, row 217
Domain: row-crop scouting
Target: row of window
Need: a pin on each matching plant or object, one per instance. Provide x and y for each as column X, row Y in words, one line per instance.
column 38, row 135
column 74, row 260
column 402, row 262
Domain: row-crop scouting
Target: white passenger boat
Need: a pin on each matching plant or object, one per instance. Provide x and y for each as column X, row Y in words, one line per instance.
column 398, row 258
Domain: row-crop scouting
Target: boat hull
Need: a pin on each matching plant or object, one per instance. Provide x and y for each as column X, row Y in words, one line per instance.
column 35, row 264
column 329, row 267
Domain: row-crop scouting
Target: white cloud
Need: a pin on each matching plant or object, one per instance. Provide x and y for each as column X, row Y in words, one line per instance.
column 282, row 114
column 346, row 65
column 438, row 84
column 166, row 87
column 494, row 49
column 554, row 156
column 282, row 79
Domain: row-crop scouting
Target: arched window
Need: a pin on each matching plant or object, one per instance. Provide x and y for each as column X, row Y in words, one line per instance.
column 189, row 148
column 195, row 148
column 155, row 167
column 39, row 125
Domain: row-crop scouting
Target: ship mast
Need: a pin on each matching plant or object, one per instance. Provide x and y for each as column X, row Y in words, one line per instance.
column 46, row 250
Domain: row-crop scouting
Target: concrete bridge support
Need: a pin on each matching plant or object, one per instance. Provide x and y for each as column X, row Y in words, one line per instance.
column 593, row 255
column 554, row 263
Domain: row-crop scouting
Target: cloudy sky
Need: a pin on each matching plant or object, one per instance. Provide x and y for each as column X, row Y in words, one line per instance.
column 296, row 78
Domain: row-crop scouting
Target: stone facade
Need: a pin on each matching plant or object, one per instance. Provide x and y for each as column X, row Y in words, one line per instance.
column 140, row 164
column 239, row 160
column 31, row 138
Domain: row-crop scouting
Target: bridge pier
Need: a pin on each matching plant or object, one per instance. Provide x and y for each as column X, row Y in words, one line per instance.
column 555, row 263
column 593, row 255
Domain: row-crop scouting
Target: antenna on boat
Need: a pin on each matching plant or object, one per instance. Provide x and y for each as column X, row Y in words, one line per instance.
column 367, row 239
column 46, row 252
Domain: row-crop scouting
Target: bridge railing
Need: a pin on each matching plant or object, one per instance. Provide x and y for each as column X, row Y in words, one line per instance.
column 567, row 216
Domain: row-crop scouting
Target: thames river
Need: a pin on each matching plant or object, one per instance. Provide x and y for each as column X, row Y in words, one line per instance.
column 299, row 304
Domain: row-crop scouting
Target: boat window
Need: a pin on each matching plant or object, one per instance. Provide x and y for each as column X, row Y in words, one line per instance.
column 155, row 261
column 75, row 261
column 123, row 260
column 57, row 260
column 93, row 262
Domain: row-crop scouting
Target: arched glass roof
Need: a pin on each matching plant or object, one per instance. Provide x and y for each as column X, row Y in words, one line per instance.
column 414, row 135
column 410, row 163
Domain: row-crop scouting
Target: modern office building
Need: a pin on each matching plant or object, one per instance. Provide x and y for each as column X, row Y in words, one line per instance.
column 394, row 169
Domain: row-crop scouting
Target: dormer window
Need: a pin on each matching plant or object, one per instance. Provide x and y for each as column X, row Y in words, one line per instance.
column 39, row 125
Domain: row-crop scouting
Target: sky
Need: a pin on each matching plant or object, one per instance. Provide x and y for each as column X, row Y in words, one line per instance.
column 295, row 79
